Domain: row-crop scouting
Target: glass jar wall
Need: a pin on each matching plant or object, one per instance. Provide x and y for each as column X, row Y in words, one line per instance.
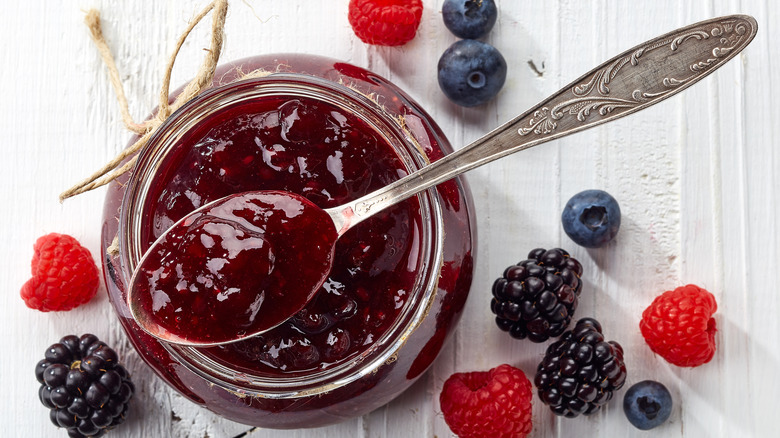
column 331, row 132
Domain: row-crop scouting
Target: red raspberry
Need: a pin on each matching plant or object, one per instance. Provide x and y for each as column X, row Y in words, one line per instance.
column 679, row 327
column 64, row 275
column 385, row 22
column 495, row 403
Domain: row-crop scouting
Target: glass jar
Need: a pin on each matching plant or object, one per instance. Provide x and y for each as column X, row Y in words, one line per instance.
column 376, row 326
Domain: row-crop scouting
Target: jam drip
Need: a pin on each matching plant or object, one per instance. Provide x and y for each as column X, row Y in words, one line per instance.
column 330, row 157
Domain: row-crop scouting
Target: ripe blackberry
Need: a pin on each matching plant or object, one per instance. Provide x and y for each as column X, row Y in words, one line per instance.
column 536, row 298
column 84, row 385
column 580, row 371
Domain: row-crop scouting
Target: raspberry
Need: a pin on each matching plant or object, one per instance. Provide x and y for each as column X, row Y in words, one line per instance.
column 679, row 327
column 64, row 275
column 580, row 372
column 495, row 403
column 385, row 22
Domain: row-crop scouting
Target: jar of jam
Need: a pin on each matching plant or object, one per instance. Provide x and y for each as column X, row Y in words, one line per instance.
column 331, row 132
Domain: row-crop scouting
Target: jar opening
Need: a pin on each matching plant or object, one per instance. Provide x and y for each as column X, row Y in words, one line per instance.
column 156, row 160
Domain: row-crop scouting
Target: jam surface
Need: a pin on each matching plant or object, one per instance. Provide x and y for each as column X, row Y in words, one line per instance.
column 329, row 156
column 241, row 265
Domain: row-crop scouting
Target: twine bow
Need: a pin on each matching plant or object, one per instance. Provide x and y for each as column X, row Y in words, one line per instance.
column 146, row 129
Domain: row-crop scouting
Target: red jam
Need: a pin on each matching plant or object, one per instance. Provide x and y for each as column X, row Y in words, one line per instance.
column 240, row 266
column 328, row 131
column 312, row 148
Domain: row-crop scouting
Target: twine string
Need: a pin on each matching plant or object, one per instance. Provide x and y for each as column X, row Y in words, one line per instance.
column 202, row 80
column 92, row 20
column 206, row 73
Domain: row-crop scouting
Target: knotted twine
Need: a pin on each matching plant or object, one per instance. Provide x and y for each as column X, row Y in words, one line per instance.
column 146, row 129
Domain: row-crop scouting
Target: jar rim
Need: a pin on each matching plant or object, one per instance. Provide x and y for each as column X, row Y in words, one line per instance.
column 385, row 349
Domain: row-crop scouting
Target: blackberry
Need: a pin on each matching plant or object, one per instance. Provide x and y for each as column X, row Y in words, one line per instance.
column 84, row 386
column 580, row 371
column 536, row 298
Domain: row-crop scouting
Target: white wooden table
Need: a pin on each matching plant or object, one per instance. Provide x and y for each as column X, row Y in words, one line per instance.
column 696, row 177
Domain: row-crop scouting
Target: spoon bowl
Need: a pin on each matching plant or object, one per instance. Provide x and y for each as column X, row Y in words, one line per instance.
column 235, row 267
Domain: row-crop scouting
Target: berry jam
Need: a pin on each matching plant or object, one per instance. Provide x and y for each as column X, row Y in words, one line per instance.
column 330, row 132
column 239, row 266
column 330, row 157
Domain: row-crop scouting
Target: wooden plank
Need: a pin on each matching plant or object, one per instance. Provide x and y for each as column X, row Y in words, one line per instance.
column 696, row 178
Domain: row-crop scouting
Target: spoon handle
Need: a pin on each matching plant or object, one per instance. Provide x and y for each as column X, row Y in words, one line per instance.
column 627, row 83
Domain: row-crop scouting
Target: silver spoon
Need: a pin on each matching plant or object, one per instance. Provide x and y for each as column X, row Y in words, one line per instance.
column 627, row 83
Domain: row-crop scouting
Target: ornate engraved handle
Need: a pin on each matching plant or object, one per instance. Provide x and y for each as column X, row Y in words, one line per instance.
column 625, row 84
column 641, row 76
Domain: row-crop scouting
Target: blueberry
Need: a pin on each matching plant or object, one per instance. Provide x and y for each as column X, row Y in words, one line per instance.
column 647, row 404
column 469, row 18
column 591, row 218
column 471, row 72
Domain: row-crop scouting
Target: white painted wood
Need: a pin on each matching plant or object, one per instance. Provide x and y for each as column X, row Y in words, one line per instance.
column 696, row 177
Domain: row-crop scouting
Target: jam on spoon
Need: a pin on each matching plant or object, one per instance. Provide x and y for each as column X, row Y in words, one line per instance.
column 235, row 267
column 299, row 247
